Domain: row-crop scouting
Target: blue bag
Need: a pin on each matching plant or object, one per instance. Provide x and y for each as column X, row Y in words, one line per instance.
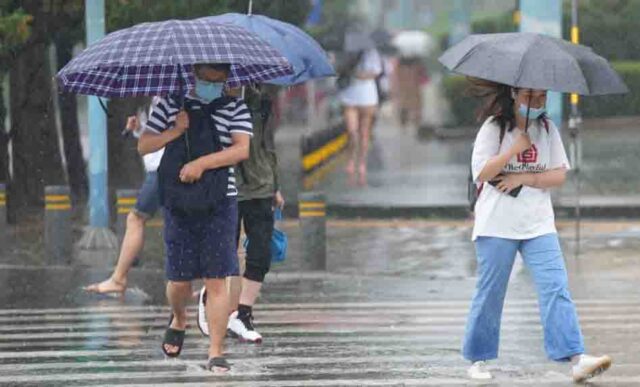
column 279, row 241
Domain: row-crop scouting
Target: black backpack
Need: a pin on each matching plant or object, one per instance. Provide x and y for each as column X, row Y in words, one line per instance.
column 200, row 139
column 473, row 191
column 383, row 95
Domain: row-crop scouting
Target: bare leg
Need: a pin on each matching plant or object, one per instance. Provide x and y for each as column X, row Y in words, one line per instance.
column 367, row 116
column 178, row 294
column 132, row 245
column 235, row 283
column 235, row 290
column 217, row 313
column 250, row 292
column 351, row 120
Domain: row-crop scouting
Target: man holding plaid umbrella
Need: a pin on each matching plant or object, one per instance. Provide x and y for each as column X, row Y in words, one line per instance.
column 205, row 132
column 201, row 245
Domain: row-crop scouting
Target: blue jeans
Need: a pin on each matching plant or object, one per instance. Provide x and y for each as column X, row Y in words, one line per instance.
column 543, row 258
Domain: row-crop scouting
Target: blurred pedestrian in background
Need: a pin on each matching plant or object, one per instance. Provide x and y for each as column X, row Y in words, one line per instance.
column 413, row 47
column 410, row 77
column 359, row 97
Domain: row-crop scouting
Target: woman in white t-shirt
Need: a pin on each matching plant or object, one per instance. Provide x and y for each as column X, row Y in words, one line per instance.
column 508, row 159
column 360, row 102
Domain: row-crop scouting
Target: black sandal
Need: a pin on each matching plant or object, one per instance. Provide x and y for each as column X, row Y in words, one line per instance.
column 174, row 337
column 218, row 362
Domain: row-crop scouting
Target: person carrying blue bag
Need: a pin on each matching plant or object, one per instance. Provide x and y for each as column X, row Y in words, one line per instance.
column 204, row 134
column 279, row 240
column 259, row 200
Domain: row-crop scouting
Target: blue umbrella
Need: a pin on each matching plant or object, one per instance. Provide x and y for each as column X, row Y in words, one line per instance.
column 307, row 57
column 157, row 58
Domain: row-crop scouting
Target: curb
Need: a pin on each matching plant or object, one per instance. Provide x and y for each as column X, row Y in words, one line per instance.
column 462, row 212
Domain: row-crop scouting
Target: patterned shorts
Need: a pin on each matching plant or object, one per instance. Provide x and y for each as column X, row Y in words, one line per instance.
column 148, row 200
column 202, row 246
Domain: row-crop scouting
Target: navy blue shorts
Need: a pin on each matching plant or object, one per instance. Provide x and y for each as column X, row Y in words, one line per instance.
column 148, row 200
column 202, row 246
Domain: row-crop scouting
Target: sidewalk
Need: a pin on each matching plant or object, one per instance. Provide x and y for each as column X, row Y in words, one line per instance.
column 414, row 177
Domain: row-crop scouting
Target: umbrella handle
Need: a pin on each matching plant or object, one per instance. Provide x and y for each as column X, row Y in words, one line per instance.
column 106, row 111
column 526, row 119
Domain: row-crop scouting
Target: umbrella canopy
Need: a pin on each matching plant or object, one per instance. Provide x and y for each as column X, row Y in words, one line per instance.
column 383, row 40
column 308, row 59
column 355, row 41
column 413, row 43
column 157, row 59
column 528, row 60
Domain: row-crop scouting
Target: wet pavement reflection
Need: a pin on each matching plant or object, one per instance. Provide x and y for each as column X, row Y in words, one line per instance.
column 389, row 311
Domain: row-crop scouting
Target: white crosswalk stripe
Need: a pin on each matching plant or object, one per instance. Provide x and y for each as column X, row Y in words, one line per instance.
column 319, row 344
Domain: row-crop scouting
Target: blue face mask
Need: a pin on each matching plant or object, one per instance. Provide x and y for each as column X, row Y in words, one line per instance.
column 208, row 91
column 533, row 112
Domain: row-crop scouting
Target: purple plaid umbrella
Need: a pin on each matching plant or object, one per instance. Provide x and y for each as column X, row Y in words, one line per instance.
column 156, row 59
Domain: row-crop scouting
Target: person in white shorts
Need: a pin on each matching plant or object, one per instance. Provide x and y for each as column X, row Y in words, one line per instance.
column 360, row 102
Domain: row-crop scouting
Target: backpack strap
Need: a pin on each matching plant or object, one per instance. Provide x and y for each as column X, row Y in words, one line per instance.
column 479, row 188
column 545, row 122
column 217, row 103
column 502, row 133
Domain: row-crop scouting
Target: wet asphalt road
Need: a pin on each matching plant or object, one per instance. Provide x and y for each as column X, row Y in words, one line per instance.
column 390, row 311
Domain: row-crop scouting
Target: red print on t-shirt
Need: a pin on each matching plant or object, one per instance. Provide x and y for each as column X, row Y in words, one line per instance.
column 529, row 156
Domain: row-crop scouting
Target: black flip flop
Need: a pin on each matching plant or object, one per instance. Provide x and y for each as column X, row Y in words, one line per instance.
column 218, row 362
column 174, row 337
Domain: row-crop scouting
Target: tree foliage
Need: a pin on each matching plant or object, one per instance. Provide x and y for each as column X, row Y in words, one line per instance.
column 610, row 27
column 27, row 29
column 126, row 13
column 14, row 30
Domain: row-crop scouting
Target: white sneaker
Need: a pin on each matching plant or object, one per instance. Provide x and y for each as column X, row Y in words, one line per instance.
column 590, row 366
column 478, row 371
column 244, row 332
column 203, row 325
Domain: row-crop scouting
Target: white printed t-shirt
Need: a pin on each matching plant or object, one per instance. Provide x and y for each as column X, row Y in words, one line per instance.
column 529, row 215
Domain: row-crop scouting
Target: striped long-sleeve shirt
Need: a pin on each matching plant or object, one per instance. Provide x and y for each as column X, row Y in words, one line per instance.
column 231, row 118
